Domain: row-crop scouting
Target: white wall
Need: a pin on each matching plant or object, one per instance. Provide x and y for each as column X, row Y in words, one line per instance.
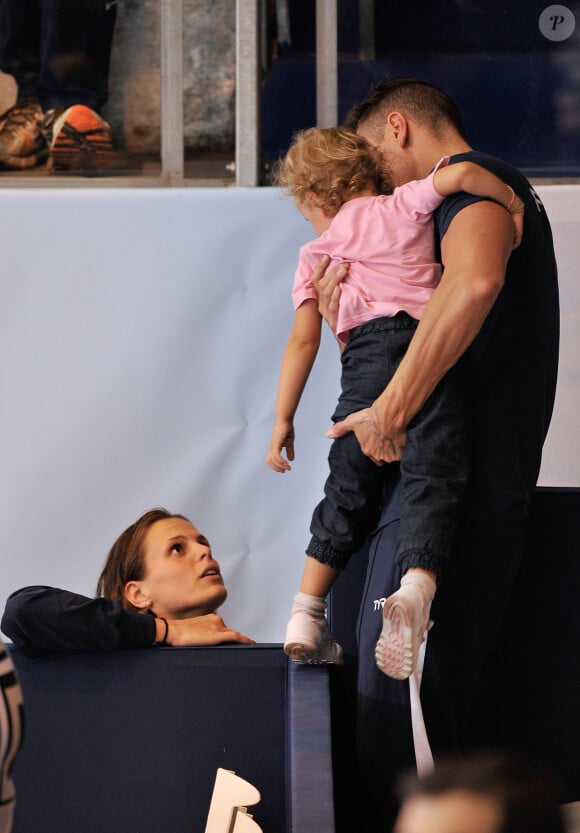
column 141, row 333
column 561, row 460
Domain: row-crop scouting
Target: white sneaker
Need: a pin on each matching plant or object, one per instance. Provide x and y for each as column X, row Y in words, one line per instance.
column 310, row 642
column 405, row 624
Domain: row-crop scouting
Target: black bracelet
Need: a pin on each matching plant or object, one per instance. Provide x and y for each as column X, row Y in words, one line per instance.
column 164, row 640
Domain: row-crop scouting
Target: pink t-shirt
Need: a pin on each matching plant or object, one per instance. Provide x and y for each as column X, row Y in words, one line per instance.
column 389, row 242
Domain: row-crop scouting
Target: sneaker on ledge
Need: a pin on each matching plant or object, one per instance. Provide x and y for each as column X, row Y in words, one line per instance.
column 310, row 642
column 81, row 141
column 22, row 144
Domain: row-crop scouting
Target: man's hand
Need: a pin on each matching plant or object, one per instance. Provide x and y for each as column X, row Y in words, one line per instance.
column 379, row 446
column 327, row 286
column 203, row 630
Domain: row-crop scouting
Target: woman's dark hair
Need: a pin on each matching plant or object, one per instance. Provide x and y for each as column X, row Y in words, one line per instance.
column 125, row 560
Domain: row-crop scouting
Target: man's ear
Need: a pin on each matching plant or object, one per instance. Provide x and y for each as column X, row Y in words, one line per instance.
column 136, row 596
column 396, row 127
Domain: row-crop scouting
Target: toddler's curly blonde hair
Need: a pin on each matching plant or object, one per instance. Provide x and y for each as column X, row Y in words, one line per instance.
column 327, row 166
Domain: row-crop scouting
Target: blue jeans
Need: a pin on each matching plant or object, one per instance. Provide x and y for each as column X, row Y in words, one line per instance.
column 434, row 468
column 58, row 50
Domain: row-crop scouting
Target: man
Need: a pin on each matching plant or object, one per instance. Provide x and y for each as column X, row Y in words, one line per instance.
column 489, row 794
column 495, row 314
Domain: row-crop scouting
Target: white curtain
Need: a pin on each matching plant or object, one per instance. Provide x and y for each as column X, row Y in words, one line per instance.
column 141, row 333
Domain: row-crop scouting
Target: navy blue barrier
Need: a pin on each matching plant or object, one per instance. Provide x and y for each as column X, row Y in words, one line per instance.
column 130, row 741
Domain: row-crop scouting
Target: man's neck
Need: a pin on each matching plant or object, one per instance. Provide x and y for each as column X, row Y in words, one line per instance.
column 431, row 152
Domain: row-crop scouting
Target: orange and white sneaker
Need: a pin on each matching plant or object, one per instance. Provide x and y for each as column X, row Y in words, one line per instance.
column 22, row 144
column 81, row 141
column 405, row 625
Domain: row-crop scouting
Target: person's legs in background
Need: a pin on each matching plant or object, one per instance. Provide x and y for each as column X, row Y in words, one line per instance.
column 75, row 51
column 58, row 52
column 21, row 143
column 20, row 44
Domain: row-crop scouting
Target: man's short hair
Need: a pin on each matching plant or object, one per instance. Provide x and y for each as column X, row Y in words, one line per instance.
column 425, row 103
column 527, row 797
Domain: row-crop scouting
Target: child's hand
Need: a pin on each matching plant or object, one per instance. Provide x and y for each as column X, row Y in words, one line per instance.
column 282, row 437
column 518, row 221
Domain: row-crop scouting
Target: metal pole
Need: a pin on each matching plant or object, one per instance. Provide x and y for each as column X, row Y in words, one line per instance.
column 171, row 12
column 326, row 64
column 247, row 93
column 367, row 30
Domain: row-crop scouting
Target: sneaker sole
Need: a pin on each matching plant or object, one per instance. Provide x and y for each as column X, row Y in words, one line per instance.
column 21, row 163
column 67, row 156
column 304, row 654
column 394, row 652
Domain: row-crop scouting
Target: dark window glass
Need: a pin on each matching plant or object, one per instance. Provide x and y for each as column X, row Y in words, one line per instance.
column 513, row 67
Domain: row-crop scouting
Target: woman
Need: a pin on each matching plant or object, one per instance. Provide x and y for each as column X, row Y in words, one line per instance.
column 160, row 586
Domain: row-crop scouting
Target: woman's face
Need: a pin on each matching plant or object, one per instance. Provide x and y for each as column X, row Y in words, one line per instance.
column 181, row 577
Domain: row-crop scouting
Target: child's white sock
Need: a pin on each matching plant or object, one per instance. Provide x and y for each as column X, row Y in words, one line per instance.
column 308, row 638
column 312, row 604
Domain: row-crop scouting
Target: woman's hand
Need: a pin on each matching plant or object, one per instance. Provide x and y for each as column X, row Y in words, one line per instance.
column 203, row 630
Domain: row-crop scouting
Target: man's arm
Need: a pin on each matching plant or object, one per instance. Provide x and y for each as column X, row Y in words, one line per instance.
column 475, row 251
